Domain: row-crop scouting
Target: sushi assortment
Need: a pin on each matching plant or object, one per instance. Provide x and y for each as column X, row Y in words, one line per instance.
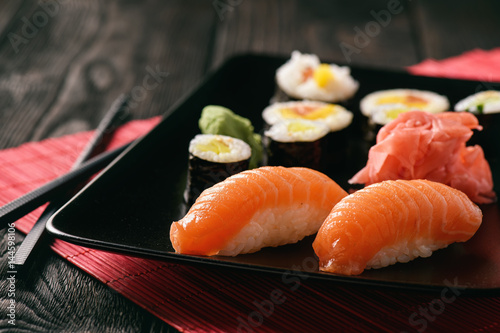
column 422, row 183
column 310, row 89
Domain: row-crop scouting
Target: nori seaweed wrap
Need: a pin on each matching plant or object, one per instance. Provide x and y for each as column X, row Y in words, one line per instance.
column 297, row 143
column 485, row 105
column 213, row 158
column 333, row 148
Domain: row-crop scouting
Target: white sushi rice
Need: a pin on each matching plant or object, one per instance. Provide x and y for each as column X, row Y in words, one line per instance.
column 310, row 131
column 404, row 252
column 382, row 113
column 290, row 79
column 274, row 227
column 239, row 150
column 337, row 120
column 489, row 100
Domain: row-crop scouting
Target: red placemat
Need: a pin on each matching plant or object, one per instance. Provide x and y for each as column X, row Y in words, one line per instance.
column 205, row 299
column 479, row 65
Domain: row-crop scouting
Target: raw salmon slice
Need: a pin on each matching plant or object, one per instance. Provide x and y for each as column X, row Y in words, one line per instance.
column 267, row 206
column 393, row 221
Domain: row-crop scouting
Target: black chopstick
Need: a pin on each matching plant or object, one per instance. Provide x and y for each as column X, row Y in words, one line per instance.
column 111, row 120
column 107, row 124
column 25, row 204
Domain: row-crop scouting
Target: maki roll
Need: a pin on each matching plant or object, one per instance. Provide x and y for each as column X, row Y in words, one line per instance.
column 485, row 105
column 303, row 76
column 382, row 107
column 213, row 158
column 296, row 142
column 216, row 119
column 483, row 102
column 334, row 116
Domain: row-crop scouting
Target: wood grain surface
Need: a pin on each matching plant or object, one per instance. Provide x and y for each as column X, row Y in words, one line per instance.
column 63, row 62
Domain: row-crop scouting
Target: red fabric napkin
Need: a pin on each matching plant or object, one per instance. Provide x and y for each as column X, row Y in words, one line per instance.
column 477, row 65
column 206, row 299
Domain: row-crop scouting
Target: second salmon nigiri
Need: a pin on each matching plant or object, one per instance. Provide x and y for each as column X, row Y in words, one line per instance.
column 393, row 221
column 268, row 206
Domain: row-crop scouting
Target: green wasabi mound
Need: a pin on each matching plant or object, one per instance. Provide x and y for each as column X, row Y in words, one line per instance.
column 220, row 120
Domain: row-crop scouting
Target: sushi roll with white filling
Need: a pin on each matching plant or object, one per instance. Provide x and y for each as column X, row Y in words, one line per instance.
column 213, row 158
column 296, row 142
column 485, row 105
column 483, row 102
column 303, row 76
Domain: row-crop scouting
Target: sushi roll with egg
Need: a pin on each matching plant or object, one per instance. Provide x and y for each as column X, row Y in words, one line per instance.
column 336, row 118
column 296, row 142
column 385, row 105
column 303, row 76
column 213, row 158
column 381, row 107
column 485, row 105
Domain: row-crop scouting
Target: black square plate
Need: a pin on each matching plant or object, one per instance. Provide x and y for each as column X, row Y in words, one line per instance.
column 129, row 208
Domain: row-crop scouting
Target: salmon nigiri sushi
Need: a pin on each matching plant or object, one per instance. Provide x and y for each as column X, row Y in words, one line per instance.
column 267, row 206
column 393, row 221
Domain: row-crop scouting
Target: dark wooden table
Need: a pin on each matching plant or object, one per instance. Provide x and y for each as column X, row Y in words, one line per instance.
column 62, row 63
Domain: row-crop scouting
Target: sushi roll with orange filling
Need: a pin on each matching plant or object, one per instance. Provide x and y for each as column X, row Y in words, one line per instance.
column 381, row 107
column 303, row 76
column 335, row 117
